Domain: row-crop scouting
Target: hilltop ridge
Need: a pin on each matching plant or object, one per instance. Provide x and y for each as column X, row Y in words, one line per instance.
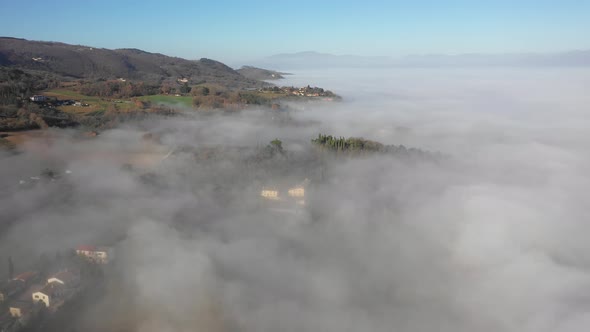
column 78, row 61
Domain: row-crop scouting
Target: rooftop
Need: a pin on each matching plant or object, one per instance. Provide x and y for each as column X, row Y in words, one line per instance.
column 26, row 276
column 50, row 289
column 10, row 286
column 91, row 248
column 66, row 276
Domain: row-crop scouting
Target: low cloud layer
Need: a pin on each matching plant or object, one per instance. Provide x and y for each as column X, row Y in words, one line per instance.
column 490, row 238
column 303, row 60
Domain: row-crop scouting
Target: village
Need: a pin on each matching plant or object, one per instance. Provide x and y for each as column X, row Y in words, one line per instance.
column 31, row 296
column 41, row 99
column 306, row 91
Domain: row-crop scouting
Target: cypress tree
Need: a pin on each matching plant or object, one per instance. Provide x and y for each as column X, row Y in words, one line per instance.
column 10, row 268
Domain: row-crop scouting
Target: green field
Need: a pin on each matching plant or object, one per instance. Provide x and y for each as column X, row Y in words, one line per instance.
column 272, row 95
column 69, row 94
column 100, row 105
column 185, row 101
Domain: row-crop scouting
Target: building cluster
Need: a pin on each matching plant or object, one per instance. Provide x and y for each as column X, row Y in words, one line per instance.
column 99, row 255
column 24, row 296
column 306, row 91
column 38, row 98
column 289, row 193
column 52, row 101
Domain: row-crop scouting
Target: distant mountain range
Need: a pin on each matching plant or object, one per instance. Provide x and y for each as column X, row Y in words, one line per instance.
column 78, row 61
column 571, row 58
column 312, row 59
column 322, row 60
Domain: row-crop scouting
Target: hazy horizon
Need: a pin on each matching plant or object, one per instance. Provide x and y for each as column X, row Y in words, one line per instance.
column 233, row 31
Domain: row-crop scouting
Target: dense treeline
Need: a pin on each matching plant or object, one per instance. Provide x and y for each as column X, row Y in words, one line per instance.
column 16, row 111
column 16, row 85
column 347, row 144
column 212, row 97
column 118, row 89
column 33, row 116
column 359, row 144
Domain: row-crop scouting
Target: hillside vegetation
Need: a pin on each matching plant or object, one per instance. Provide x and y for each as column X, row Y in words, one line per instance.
column 99, row 88
column 77, row 61
column 357, row 145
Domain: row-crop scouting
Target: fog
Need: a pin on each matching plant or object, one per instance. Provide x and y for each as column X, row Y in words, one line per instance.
column 490, row 237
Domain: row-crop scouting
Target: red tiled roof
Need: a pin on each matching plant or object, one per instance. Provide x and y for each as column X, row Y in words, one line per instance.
column 26, row 276
column 49, row 289
column 12, row 286
column 92, row 248
column 65, row 276
column 86, row 248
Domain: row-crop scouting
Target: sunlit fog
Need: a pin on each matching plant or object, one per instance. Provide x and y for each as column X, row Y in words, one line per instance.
column 483, row 229
column 304, row 166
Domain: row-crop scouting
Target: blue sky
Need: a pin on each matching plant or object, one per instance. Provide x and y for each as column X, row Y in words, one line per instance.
column 238, row 30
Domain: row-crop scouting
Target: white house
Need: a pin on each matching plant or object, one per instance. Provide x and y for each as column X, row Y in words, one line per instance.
column 48, row 294
column 38, row 98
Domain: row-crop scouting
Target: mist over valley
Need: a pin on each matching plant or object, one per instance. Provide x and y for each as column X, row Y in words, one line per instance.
column 460, row 209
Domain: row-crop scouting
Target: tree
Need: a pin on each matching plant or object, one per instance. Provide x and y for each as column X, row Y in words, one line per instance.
column 166, row 88
column 43, row 264
column 10, row 268
column 277, row 145
column 185, row 88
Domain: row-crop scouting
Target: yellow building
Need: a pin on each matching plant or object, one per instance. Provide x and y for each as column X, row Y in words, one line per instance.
column 270, row 194
column 298, row 191
column 20, row 308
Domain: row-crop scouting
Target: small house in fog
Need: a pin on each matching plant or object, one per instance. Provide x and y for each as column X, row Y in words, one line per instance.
column 100, row 255
column 49, row 294
column 20, row 309
column 270, row 193
column 298, row 191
